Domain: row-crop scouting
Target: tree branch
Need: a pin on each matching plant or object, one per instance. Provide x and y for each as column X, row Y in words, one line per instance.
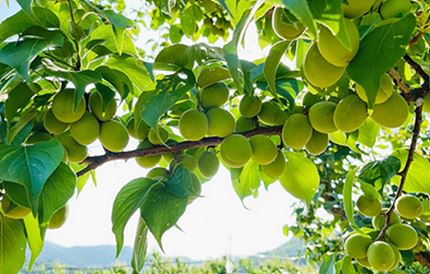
column 96, row 161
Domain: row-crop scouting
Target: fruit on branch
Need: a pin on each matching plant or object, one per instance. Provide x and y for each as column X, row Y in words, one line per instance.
column 395, row 8
column 318, row 143
column 186, row 161
column 64, row 109
column 250, row 106
column 297, row 131
column 157, row 173
column 271, row 114
column 378, row 222
column 114, row 136
column 363, row 262
column 321, row 116
column 403, row 236
column 98, row 108
column 235, row 150
column 150, row 160
column 381, row 256
column 356, row 246
column 332, row 49
column 385, row 90
column 86, row 130
column 397, row 257
column 426, row 104
column 245, row 124
column 356, row 8
column 409, row 206
column 75, row 151
column 310, row 99
column 12, row 210
column 350, row 113
column 221, row 122
column 140, row 131
column 214, row 95
column 369, row 206
column 59, row 218
column 264, row 151
column 208, row 164
column 275, row 168
column 158, row 135
column 193, row 125
column 318, row 71
column 392, row 113
column 285, row 25
column 52, row 124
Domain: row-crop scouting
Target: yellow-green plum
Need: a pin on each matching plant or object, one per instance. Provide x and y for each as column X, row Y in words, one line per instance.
column 296, row 131
column 12, row 210
column 59, row 218
column 75, row 151
column 350, row 113
column 285, row 25
column 369, row 206
column 245, row 124
column 356, row 8
column 140, row 131
column 318, row 71
column 426, row 104
column 187, row 161
column 271, row 114
column 86, row 130
column 250, row 106
column 275, row 168
column 150, row 160
column 221, row 122
column 356, row 246
column 157, row 172
column 409, row 206
column 310, row 99
column 193, row 125
column 403, row 236
column 397, row 257
column 63, row 106
column 103, row 113
column 378, row 222
column 214, row 95
column 392, row 113
column 52, row 124
column 113, row 136
column 321, row 116
column 332, row 49
column 158, row 136
column 318, row 143
column 395, row 8
column 235, row 150
column 208, row 164
column 264, row 151
column 381, row 256
column 385, row 90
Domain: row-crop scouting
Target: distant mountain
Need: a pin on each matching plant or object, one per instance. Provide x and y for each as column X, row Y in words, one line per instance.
column 293, row 248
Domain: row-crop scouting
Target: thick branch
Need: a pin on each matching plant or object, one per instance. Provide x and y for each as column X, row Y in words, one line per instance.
column 423, row 258
column 96, row 161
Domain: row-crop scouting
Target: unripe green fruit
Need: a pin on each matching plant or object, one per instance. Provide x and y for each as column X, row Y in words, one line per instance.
column 113, row 136
column 86, row 130
column 96, row 107
column 310, row 99
column 12, row 210
column 147, row 161
column 397, row 257
column 385, row 90
column 59, row 218
column 38, row 137
column 141, row 132
column 275, row 168
column 264, row 151
column 332, row 50
column 157, row 172
column 356, row 246
column 193, row 125
column 221, row 122
column 403, row 236
column 318, row 71
column 286, row 25
column 356, row 8
column 75, row 151
column 214, row 95
column 321, row 117
column 187, row 161
column 245, row 124
column 62, row 106
column 208, row 164
column 160, row 138
column 395, row 8
column 297, row 131
column 368, row 206
column 318, row 143
column 52, row 124
column 271, row 114
column 409, row 206
column 381, row 256
column 392, row 113
column 364, row 262
column 378, row 222
column 426, row 104
column 350, row 114
column 236, row 150
column 250, row 106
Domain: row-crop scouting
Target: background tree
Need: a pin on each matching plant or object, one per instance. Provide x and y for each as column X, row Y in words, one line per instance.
column 322, row 126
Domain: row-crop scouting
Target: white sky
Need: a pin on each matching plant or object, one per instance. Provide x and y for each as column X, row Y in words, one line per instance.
column 213, row 226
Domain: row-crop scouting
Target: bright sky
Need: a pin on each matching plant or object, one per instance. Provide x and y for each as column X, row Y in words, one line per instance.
column 213, row 226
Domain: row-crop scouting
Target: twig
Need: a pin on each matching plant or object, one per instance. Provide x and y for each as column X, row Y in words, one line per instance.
column 78, row 56
column 96, row 161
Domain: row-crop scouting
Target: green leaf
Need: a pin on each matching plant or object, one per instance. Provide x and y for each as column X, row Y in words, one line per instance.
column 182, row 183
column 12, row 245
column 30, row 166
column 327, row 267
column 378, row 173
column 19, row 55
column 347, row 266
column 368, row 132
column 17, row 99
column 348, row 203
column 15, row 24
column 300, row 177
column 25, row 119
column 34, row 238
column 26, row 5
column 272, row 62
column 168, row 59
column 117, row 79
column 418, row 177
column 302, row 11
column 246, row 181
column 161, row 210
column 379, row 51
column 129, row 199
column 140, row 246
column 119, row 24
